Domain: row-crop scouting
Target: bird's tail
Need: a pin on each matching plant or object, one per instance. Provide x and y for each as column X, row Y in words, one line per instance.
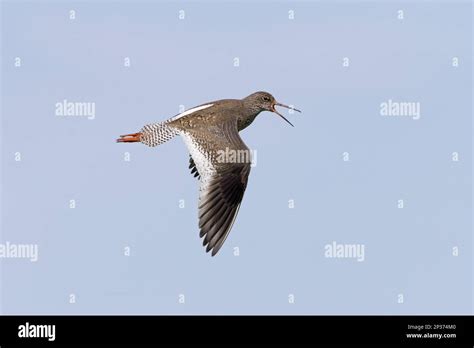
column 129, row 138
column 152, row 135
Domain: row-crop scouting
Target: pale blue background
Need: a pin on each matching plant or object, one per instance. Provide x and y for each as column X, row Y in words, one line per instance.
column 189, row 62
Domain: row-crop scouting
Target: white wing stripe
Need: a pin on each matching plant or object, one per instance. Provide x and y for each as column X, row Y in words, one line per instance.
column 190, row 111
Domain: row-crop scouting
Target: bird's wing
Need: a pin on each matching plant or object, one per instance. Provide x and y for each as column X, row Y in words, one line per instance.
column 219, row 203
column 223, row 179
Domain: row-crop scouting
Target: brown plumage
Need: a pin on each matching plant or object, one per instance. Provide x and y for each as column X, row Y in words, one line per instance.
column 211, row 131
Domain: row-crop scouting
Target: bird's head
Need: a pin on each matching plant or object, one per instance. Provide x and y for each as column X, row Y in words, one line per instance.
column 264, row 101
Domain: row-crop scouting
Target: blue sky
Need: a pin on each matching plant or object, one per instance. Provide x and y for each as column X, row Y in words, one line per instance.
column 135, row 204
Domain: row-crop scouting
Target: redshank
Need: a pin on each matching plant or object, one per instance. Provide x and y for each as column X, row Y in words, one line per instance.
column 218, row 156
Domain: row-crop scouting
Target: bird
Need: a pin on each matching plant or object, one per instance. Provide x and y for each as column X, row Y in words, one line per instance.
column 210, row 131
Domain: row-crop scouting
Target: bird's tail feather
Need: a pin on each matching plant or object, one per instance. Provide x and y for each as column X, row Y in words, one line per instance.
column 129, row 138
column 152, row 135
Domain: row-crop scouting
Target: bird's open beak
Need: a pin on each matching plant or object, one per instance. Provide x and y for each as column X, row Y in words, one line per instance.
column 285, row 106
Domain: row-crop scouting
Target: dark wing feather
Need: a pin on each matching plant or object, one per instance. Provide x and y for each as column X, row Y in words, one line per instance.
column 222, row 183
column 220, row 204
column 193, row 168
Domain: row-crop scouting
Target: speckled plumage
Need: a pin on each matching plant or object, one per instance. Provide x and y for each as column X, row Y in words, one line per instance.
column 209, row 130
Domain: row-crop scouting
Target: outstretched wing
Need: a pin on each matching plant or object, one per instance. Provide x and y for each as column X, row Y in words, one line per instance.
column 223, row 179
column 219, row 204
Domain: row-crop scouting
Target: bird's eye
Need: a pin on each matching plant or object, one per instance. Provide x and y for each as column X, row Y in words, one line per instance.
column 266, row 98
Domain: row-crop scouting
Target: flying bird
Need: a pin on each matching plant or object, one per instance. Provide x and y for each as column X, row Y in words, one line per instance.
column 209, row 131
